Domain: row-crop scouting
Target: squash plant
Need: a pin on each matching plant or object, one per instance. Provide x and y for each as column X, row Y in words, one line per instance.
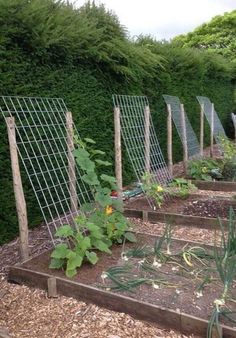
column 100, row 223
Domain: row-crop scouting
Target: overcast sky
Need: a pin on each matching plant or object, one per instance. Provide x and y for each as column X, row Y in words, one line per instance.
column 164, row 19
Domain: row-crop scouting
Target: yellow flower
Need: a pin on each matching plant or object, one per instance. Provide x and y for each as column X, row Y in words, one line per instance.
column 204, row 170
column 108, row 210
column 159, row 188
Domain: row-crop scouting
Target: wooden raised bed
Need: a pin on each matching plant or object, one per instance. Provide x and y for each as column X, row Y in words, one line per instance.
column 215, row 185
column 196, row 210
column 175, row 219
column 164, row 317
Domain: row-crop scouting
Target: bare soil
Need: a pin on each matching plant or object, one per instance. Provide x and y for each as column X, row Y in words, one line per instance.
column 195, row 205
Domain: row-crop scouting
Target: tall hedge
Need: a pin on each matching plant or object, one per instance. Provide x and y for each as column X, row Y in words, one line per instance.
column 48, row 48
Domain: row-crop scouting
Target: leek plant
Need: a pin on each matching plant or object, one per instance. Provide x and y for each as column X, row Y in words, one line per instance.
column 225, row 260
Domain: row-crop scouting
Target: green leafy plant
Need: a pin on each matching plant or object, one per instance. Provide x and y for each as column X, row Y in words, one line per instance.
column 100, row 223
column 228, row 148
column 205, row 169
column 225, row 258
column 105, row 211
column 79, row 246
column 180, row 187
column 152, row 189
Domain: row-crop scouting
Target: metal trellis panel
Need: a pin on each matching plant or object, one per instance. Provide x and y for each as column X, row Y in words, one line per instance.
column 42, row 142
column 192, row 141
column 132, row 120
column 207, row 109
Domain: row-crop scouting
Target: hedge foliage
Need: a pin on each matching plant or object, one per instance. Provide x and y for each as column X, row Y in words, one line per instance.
column 48, row 48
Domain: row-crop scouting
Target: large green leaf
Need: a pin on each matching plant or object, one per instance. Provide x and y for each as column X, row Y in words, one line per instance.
column 100, row 245
column 81, row 153
column 97, row 152
column 92, row 257
column 90, row 178
column 108, row 178
column 56, row 263
column 130, row 237
column 87, row 207
column 85, row 163
column 85, row 244
column 105, row 163
column 74, row 262
column 102, row 199
column 89, row 140
column 71, row 273
column 65, row 231
column 60, row 251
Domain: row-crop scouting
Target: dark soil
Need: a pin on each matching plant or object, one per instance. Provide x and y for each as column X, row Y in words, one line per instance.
column 193, row 205
column 179, row 294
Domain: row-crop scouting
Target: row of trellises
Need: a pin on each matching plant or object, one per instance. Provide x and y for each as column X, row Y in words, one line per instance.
column 85, row 56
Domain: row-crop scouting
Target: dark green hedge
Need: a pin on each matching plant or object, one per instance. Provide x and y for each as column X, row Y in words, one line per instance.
column 85, row 67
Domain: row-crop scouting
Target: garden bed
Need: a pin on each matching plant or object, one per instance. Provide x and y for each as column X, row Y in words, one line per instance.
column 195, row 210
column 215, row 185
column 168, row 304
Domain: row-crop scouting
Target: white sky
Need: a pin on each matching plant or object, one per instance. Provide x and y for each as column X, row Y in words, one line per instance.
column 164, row 19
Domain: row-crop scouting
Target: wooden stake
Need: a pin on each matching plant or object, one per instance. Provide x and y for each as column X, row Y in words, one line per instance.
column 52, row 287
column 71, row 163
column 169, row 139
column 212, row 129
column 185, row 145
column 202, row 130
column 18, row 190
column 147, row 138
column 118, row 154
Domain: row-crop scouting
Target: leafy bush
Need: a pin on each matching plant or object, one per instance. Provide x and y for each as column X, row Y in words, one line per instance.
column 180, row 187
column 205, row 169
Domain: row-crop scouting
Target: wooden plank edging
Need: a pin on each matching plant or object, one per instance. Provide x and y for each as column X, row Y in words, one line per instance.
column 141, row 310
column 215, row 185
column 176, row 219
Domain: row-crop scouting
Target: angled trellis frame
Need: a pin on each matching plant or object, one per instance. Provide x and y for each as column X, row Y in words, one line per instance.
column 208, row 109
column 191, row 146
column 44, row 140
column 233, row 117
column 133, row 119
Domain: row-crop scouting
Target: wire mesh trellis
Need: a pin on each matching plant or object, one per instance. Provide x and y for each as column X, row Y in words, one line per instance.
column 145, row 154
column 193, row 145
column 218, row 129
column 44, row 138
column 233, row 117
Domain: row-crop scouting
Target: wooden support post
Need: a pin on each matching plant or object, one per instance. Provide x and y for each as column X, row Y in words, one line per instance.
column 71, row 163
column 147, row 138
column 184, row 140
column 212, row 129
column 145, row 216
column 202, row 130
column 169, row 139
column 18, row 190
column 52, row 287
column 118, row 154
